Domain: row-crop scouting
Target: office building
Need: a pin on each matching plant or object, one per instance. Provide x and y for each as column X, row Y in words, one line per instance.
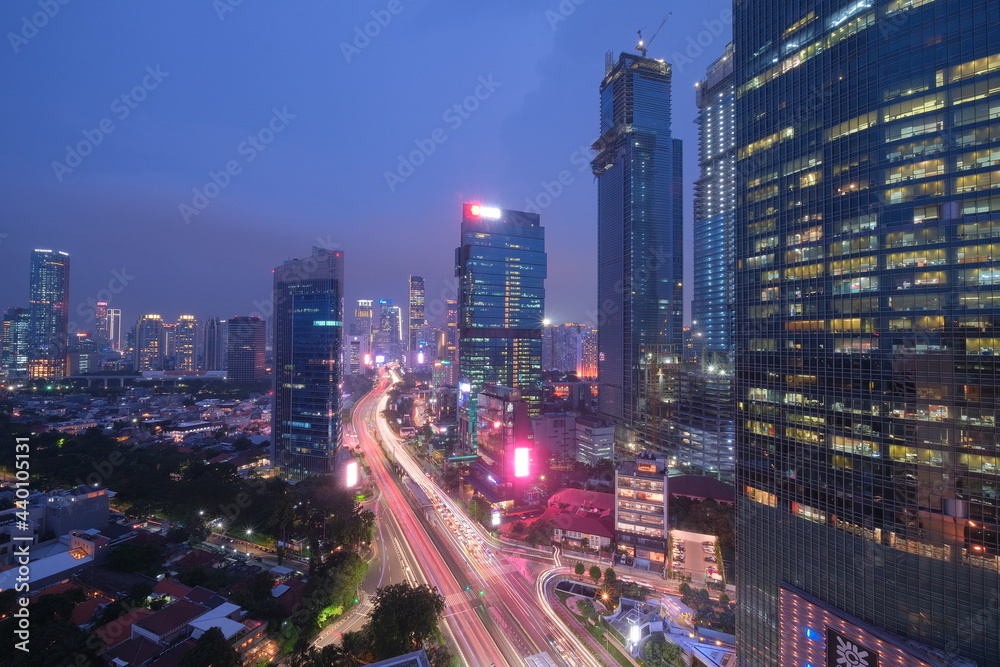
column 390, row 320
column 48, row 333
column 364, row 318
column 416, row 319
column 640, row 267
column 215, row 347
column 503, row 471
column 185, row 343
column 501, row 267
column 308, row 330
column 14, row 339
column 149, row 343
column 642, row 500
column 245, row 347
column 867, row 137
column 595, row 439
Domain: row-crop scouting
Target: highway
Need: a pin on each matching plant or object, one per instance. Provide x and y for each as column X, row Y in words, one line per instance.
column 464, row 619
column 523, row 618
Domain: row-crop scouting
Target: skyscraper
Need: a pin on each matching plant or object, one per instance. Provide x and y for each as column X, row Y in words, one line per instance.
column 308, row 329
column 416, row 319
column 149, row 343
column 364, row 319
column 703, row 440
column 16, row 326
column 560, row 347
column 390, row 323
column 48, row 334
column 587, row 353
column 114, row 329
column 501, row 267
column 185, row 337
column 215, row 344
column 640, row 268
column 714, row 207
column 866, row 318
column 245, row 349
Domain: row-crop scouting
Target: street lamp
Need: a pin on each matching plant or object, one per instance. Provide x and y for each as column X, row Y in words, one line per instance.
column 249, row 533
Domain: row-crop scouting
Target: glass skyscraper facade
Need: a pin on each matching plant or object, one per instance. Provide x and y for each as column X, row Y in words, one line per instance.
column 416, row 319
column 14, row 339
column 867, row 312
column 245, row 352
column 501, row 268
column 308, row 330
column 48, row 329
column 640, row 267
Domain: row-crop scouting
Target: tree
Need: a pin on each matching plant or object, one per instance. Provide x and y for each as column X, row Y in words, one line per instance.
column 684, row 589
column 402, row 617
column 661, row 653
column 610, row 577
column 212, row 650
column 723, row 598
column 579, row 569
column 595, row 572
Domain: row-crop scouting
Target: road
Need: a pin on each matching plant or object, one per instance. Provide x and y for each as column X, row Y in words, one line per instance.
column 525, row 619
column 464, row 618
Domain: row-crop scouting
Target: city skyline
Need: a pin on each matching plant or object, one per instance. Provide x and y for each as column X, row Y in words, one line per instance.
column 542, row 81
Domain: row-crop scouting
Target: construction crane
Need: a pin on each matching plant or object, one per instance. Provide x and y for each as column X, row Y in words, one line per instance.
column 643, row 47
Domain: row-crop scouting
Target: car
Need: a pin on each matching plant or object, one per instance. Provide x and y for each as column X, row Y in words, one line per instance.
column 710, row 559
column 708, row 544
column 677, row 566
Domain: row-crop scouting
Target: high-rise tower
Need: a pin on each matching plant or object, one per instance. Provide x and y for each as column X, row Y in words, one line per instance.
column 308, row 330
column 416, row 319
column 48, row 334
column 245, row 349
column 501, row 267
column 867, row 313
column 640, row 239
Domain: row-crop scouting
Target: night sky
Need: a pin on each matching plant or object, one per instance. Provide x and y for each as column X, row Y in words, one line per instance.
column 309, row 117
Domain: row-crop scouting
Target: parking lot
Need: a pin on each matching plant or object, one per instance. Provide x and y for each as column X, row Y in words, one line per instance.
column 695, row 554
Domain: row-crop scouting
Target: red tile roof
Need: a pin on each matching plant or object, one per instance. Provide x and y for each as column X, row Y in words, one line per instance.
column 172, row 617
column 120, row 629
column 582, row 498
column 134, row 651
column 84, row 612
column 174, row 589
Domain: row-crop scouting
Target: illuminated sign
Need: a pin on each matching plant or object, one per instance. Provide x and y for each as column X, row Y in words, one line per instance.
column 379, row 358
column 521, row 464
column 420, row 357
column 351, row 474
column 496, row 517
column 485, row 211
column 368, row 360
column 465, row 387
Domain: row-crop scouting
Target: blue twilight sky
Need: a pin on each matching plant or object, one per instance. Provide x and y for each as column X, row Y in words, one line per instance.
column 207, row 83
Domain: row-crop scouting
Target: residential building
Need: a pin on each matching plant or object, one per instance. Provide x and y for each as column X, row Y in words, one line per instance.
column 587, row 343
column 185, row 337
column 14, row 339
column 245, row 353
column 216, row 344
column 149, row 343
column 416, row 312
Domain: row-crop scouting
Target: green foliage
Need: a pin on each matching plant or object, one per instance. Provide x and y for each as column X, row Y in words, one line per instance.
column 586, row 607
column 403, row 616
column 595, row 572
column 579, row 569
column 610, row 576
column 659, row 652
column 212, row 650
column 708, row 517
column 540, row 532
column 723, row 598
